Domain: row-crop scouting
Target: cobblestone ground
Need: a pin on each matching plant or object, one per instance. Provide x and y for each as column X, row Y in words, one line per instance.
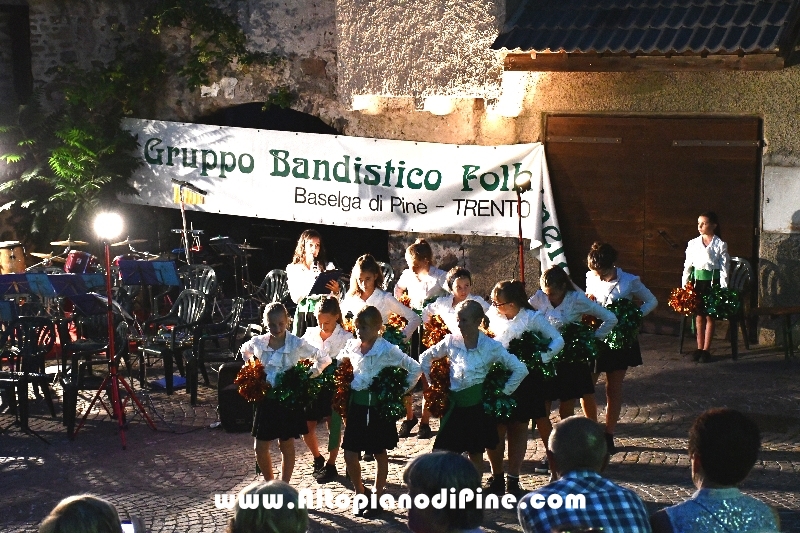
column 169, row 476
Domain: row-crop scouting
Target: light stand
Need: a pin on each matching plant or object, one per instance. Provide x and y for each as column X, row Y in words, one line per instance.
column 521, row 185
column 109, row 226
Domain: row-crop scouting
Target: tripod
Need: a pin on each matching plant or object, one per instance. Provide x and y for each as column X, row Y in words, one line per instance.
column 113, row 378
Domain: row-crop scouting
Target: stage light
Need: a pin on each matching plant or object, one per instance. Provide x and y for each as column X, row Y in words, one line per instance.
column 108, row 226
column 439, row 105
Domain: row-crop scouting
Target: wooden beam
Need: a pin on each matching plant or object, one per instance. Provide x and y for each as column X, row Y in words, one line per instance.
column 592, row 63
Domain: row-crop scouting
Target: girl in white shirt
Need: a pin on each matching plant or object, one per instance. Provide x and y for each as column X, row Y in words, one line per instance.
column 509, row 317
column 279, row 351
column 366, row 430
column 329, row 338
column 707, row 262
column 559, row 300
column 364, row 282
column 307, row 264
column 459, row 285
column 466, row 427
column 421, row 279
column 607, row 284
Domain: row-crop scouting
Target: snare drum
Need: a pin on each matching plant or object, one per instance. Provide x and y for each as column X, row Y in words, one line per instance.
column 12, row 257
column 80, row 263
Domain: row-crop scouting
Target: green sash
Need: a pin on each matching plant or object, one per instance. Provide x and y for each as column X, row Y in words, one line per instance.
column 464, row 398
column 363, row 397
column 706, row 275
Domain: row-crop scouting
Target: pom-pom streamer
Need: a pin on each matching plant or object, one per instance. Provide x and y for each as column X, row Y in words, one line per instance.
column 436, row 395
column 342, row 378
column 580, row 344
column 684, row 300
column 629, row 320
column 495, row 402
column 528, row 348
column 721, row 302
column 435, row 330
column 390, row 386
column 252, row 381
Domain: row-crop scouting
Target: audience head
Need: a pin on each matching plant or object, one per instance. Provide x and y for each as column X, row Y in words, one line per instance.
column 280, row 519
column 309, row 245
column 723, row 447
column 602, row 256
column 366, row 275
column 430, row 473
column 578, row 443
column 82, row 514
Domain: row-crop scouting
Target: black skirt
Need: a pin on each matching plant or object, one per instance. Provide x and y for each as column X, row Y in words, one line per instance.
column 609, row 360
column 321, row 406
column 530, row 399
column 573, row 380
column 701, row 287
column 273, row 421
column 377, row 436
column 468, row 429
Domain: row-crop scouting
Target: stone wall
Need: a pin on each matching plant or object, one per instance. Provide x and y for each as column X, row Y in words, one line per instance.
column 332, row 50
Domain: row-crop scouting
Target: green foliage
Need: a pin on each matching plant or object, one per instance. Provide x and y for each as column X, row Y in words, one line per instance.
column 216, row 37
column 282, row 97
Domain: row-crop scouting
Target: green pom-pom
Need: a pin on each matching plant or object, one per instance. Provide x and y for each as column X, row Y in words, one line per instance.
column 580, row 344
column 528, row 348
column 629, row 320
column 395, row 336
column 495, row 403
column 390, row 386
column 294, row 388
column 721, row 302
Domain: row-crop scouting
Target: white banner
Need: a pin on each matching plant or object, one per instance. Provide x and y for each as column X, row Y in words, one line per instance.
column 349, row 181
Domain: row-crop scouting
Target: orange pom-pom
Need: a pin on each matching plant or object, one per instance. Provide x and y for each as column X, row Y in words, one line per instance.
column 436, row 395
column 684, row 300
column 396, row 321
column 252, row 381
column 350, row 325
column 405, row 300
column 342, row 379
column 435, row 330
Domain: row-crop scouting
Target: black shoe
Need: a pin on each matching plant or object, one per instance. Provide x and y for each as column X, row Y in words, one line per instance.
column 424, row 431
column 369, row 457
column 371, row 512
column 696, row 355
column 406, row 427
column 705, row 356
column 319, row 465
column 610, row 444
column 327, row 474
column 543, row 467
column 513, row 487
column 495, row 486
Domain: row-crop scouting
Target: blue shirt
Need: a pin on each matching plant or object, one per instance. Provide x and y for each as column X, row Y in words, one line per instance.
column 607, row 505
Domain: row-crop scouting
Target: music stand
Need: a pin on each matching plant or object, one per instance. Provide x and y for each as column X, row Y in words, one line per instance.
column 226, row 247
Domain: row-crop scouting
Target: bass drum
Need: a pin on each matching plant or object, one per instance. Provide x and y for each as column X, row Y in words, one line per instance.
column 12, row 257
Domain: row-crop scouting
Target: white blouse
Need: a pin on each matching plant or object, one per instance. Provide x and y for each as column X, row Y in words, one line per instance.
column 301, row 279
column 332, row 345
column 506, row 330
column 575, row 305
column 444, row 308
column 420, row 287
column 469, row 367
column 712, row 257
column 386, row 304
column 626, row 285
column 278, row 361
column 382, row 354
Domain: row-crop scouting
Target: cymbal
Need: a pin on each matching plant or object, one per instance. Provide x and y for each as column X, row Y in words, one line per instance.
column 49, row 257
column 69, row 243
column 248, row 247
column 128, row 241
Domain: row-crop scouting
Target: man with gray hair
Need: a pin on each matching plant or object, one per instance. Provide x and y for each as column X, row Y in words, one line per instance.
column 581, row 497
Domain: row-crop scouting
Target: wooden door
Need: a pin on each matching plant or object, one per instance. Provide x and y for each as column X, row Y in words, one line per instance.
column 639, row 183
